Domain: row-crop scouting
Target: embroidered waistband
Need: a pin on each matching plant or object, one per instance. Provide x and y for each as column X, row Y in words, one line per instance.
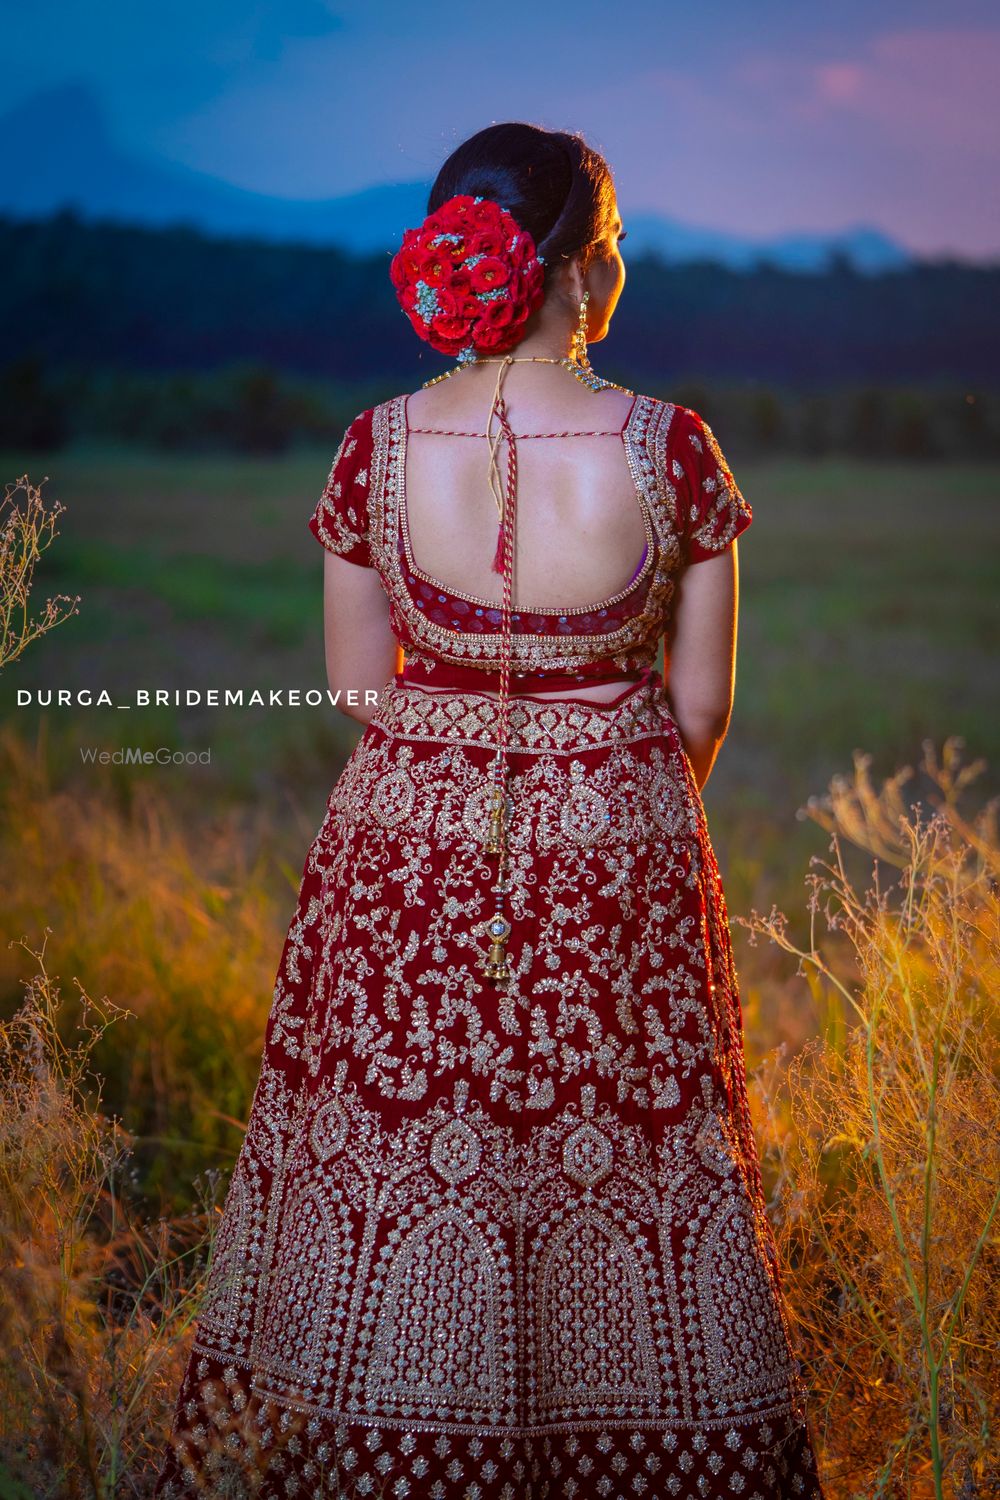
column 446, row 675
column 556, row 725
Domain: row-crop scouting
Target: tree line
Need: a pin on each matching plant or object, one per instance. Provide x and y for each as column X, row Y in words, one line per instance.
column 178, row 338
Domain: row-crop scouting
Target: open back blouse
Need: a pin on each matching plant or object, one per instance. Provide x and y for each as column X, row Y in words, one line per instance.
column 692, row 510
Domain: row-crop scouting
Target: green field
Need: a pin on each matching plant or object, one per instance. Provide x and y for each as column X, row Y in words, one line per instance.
column 870, row 600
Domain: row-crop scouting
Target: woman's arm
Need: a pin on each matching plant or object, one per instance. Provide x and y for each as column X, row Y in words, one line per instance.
column 700, row 656
column 361, row 650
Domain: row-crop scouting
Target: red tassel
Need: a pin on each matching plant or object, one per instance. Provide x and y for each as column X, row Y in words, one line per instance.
column 498, row 556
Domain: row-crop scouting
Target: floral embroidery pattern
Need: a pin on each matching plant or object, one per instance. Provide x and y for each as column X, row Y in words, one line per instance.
column 509, row 1245
column 449, row 1206
column 720, row 512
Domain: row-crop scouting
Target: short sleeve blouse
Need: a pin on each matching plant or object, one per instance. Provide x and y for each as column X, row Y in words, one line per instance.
column 341, row 518
column 691, row 504
column 713, row 511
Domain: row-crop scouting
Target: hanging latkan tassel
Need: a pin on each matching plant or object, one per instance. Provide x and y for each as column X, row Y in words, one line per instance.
column 494, row 838
column 501, row 548
column 496, row 966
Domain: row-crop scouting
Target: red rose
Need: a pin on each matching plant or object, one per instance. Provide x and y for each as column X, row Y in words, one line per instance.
column 486, row 239
column 450, row 321
column 434, row 267
column 522, row 253
column 497, row 314
column 447, row 346
column 534, row 281
column 454, row 249
column 479, row 213
column 458, row 211
column 448, row 303
column 404, row 263
column 417, row 324
column 491, row 340
column 461, row 283
column 455, row 330
column 488, row 274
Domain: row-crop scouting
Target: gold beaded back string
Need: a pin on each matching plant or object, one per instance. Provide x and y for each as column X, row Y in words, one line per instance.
column 496, row 965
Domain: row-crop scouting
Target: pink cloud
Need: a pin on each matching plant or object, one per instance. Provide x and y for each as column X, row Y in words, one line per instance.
column 903, row 133
column 839, row 81
column 922, row 83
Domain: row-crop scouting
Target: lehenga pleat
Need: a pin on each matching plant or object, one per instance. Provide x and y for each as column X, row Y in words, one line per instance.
column 510, row 1241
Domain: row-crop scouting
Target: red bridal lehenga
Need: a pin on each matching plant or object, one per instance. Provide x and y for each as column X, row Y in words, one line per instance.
column 509, row 1240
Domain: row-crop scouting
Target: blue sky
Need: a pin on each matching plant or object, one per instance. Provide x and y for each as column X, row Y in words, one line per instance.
column 757, row 118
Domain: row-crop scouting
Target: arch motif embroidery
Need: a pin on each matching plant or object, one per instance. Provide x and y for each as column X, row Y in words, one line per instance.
column 437, row 1335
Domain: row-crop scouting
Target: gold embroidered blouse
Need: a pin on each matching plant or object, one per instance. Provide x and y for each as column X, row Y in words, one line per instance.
column 692, row 509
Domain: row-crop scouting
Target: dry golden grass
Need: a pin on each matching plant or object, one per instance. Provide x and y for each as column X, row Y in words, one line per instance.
column 884, row 1139
column 180, row 925
column 95, row 1304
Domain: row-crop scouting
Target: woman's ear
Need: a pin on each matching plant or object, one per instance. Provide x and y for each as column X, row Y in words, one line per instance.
column 572, row 283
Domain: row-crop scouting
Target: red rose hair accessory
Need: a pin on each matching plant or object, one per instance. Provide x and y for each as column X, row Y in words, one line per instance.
column 468, row 278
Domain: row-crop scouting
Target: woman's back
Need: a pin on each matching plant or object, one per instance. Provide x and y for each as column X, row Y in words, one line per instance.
column 580, row 527
column 616, row 493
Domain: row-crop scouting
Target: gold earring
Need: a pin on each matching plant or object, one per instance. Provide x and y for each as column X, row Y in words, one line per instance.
column 580, row 336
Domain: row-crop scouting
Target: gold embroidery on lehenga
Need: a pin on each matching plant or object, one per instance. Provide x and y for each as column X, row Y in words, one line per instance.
column 437, row 1343
column 650, row 1307
column 602, row 823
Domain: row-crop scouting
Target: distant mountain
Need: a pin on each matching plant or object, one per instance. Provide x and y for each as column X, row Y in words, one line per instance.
column 674, row 242
column 60, row 154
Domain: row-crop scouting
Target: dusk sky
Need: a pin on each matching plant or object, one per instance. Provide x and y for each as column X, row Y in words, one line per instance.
column 756, row 118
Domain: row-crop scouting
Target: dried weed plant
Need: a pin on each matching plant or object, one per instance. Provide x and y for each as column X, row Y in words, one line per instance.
column 883, row 1137
column 26, row 530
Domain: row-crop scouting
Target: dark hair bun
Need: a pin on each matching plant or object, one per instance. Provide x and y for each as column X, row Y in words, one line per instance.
column 558, row 188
